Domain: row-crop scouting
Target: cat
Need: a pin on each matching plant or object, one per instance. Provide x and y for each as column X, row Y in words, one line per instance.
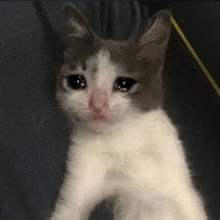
column 123, row 145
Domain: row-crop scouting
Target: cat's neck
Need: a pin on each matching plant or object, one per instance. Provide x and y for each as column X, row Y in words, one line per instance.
column 151, row 129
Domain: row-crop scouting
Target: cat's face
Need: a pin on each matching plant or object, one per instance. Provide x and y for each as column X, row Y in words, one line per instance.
column 105, row 82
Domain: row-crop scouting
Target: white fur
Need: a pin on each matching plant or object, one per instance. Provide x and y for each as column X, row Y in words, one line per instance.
column 141, row 161
column 79, row 30
column 106, row 71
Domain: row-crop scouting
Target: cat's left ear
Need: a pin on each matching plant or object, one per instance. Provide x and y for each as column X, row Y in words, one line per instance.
column 77, row 29
column 153, row 41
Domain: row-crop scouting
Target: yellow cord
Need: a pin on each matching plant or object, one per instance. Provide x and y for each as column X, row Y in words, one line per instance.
column 205, row 71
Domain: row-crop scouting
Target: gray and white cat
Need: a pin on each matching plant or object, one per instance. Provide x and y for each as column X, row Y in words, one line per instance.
column 123, row 145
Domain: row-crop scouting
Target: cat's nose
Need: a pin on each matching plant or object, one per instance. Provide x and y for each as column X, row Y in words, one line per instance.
column 99, row 101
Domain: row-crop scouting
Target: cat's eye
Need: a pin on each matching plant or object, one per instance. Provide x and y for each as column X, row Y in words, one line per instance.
column 76, row 82
column 124, row 83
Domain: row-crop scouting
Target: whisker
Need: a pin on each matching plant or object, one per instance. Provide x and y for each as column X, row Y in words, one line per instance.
column 43, row 114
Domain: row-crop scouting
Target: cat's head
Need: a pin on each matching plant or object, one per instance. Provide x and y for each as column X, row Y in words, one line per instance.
column 105, row 81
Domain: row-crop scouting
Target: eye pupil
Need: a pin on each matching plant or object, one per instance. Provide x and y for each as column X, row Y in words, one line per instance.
column 76, row 82
column 124, row 83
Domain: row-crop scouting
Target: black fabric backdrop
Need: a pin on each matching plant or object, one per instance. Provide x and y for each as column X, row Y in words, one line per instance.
column 34, row 135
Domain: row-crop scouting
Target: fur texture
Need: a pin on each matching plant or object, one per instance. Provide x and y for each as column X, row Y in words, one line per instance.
column 123, row 143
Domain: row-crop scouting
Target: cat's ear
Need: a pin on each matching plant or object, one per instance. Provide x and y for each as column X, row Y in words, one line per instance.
column 77, row 29
column 153, row 41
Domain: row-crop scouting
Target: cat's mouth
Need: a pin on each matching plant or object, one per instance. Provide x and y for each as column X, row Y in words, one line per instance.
column 100, row 117
column 103, row 118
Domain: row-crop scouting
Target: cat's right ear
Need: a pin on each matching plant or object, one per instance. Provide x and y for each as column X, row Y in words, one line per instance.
column 76, row 28
column 152, row 43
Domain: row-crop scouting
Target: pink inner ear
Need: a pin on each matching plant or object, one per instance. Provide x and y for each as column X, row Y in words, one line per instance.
column 98, row 102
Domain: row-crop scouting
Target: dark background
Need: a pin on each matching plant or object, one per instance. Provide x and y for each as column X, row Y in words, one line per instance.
column 34, row 135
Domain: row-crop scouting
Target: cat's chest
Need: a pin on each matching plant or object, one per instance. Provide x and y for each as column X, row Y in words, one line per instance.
column 132, row 154
column 148, row 149
column 130, row 145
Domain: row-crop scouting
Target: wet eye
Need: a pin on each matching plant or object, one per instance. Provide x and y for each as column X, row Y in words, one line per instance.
column 124, row 83
column 76, row 82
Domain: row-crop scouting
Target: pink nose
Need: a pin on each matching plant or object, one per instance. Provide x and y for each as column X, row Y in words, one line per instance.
column 99, row 101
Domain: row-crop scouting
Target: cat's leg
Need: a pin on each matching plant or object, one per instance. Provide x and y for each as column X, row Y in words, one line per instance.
column 165, row 191
column 177, row 195
column 82, row 188
column 185, row 205
column 189, row 204
column 134, row 207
